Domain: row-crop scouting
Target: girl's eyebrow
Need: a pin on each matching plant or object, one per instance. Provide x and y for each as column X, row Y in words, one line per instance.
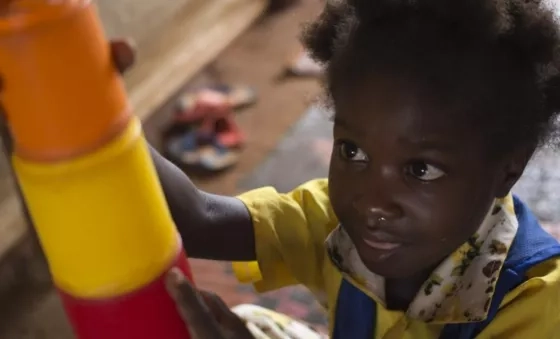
column 431, row 142
column 341, row 122
column 337, row 120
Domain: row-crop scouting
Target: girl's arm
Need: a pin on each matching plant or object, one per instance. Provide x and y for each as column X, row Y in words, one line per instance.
column 211, row 226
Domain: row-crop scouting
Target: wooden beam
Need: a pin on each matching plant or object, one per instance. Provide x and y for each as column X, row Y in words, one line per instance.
column 193, row 39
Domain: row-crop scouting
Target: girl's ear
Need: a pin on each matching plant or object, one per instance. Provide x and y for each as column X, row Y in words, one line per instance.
column 512, row 170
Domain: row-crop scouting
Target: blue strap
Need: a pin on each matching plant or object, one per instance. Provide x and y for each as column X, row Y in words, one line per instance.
column 355, row 312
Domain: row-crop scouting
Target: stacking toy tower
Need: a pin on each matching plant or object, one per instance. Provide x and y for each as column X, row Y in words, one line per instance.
column 86, row 173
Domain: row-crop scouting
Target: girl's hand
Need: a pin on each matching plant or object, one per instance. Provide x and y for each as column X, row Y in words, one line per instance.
column 123, row 54
column 207, row 316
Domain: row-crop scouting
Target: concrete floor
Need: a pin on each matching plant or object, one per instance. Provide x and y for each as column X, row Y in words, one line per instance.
column 257, row 58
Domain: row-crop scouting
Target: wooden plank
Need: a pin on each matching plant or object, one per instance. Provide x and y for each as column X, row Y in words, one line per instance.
column 195, row 39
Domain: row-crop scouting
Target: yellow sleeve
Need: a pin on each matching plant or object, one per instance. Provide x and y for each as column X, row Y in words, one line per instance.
column 290, row 230
column 532, row 310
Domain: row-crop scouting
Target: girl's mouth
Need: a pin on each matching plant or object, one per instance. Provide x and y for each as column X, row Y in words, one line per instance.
column 373, row 251
column 382, row 245
column 376, row 243
column 382, row 242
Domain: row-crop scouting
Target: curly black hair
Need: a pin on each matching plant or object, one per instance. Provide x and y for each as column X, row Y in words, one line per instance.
column 497, row 61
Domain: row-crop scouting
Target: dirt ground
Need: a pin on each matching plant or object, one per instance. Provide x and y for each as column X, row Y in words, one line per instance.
column 257, row 58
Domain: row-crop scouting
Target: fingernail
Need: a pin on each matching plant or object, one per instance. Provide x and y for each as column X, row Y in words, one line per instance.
column 175, row 276
column 176, row 273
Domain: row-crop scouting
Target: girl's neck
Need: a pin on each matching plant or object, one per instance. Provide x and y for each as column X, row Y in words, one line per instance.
column 400, row 292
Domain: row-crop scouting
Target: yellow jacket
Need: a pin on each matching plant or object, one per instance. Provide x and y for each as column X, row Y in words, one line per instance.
column 290, row 233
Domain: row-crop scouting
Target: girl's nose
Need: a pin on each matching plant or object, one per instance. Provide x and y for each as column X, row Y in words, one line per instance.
column 375, row 209
column 375, row 201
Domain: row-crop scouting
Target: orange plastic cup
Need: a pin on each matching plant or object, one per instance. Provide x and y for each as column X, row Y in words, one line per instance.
column 62, row 95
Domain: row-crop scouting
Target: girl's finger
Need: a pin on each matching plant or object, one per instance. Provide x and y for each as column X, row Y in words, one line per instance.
column 192, row 307
column 123, row 53
column 223, row 314
column 218, row 307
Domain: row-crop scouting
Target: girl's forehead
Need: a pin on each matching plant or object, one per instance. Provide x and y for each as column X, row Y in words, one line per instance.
column 406, row 130
column 395, row 108
column 405, row 123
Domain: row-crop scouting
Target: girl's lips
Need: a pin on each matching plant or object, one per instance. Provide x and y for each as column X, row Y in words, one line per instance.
column 382, row 241
column 382, row 245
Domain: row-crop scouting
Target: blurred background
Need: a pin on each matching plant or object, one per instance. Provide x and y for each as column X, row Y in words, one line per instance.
column 226, row 92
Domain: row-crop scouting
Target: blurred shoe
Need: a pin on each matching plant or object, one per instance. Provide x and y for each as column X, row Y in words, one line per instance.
column 217, row 96
column 216, row 157
column 183, row 149
column 188, row 150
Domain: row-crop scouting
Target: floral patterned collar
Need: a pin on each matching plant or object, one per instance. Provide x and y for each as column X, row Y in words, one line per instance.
column 461, row 288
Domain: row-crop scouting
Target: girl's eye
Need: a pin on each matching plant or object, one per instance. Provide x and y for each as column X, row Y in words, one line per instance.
column 351, row 152
column 424, row 171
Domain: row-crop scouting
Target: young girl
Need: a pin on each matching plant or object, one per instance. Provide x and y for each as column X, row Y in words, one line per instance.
column 438, row 106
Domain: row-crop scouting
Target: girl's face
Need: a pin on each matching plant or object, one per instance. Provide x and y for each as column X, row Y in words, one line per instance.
column 410, row 183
